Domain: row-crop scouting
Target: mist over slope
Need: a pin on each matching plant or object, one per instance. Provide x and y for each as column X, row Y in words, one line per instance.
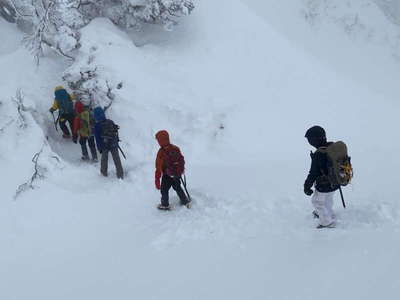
column 354, row 38
column 237, row 98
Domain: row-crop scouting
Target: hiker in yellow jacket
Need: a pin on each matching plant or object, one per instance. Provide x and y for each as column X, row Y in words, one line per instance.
column 63, row 103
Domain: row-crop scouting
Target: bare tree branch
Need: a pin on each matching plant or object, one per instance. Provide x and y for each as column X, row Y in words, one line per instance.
column 17, row 10
column 58, row 50
column 35, row 41
column 19, row 101
column 36, row 175
column 110, row 96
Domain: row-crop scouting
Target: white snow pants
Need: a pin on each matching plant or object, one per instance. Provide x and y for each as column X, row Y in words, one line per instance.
column 323, row 204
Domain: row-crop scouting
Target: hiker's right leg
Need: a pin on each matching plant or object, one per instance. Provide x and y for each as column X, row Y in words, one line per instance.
column 319, row 202
column 104, row 162
column 63, row 126
column 82, row 141
column 166, row 183
column 92, row 147
column 329, row 204
column 176, row 185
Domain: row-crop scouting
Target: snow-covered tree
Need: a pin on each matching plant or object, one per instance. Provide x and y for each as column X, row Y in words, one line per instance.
column 129, row 13
column 56, row 23
column 53, row 23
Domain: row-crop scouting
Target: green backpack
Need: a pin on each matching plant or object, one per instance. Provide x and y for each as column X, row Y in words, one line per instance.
column 64, row 102
column 340, row 170
column 85, row 128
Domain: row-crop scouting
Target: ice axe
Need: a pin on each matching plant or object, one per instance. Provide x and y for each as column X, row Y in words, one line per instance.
column 341, row 195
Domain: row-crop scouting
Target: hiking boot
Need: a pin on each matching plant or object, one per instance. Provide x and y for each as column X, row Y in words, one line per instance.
column 95, row 160
column 85, row 157
column 66, row 136
column 163, row 207
column 189, row 205
column 331, row 225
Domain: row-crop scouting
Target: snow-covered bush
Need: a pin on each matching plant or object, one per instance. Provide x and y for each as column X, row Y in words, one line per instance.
column 7, row 11
column 56, row 23
column 89, row 85
column 87, row 77
column 130, row 13
column 162, row 11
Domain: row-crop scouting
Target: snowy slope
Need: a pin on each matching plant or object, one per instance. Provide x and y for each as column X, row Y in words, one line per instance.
column 249, row 234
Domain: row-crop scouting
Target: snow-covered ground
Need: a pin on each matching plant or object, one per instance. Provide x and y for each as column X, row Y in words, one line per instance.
column 249, row 234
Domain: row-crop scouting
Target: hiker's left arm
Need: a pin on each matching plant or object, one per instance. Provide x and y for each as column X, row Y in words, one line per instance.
column 313, row 173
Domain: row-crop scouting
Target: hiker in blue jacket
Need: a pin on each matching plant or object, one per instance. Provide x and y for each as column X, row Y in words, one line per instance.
column 106, row 133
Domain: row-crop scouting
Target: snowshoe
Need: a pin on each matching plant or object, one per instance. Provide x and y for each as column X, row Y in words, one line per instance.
column 163, row 207
column 186, row 203
column 332, row 225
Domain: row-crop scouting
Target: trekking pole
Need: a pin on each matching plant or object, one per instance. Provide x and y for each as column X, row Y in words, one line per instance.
column 55, row 121
column 341, row 195
column 184, row 186
column 122, row 152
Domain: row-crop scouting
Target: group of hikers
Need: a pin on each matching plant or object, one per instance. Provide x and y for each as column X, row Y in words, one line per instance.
column 330, row 164
column 91, row 127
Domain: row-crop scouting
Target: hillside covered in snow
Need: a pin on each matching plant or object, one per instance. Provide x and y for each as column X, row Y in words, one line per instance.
column 237, row 83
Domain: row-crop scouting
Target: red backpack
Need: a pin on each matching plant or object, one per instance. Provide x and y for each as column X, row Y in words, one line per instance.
column 174, row 161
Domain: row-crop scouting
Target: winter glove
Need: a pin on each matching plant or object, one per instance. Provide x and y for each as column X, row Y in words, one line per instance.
column 158, row 184
column 308, row 191
column 75, row 139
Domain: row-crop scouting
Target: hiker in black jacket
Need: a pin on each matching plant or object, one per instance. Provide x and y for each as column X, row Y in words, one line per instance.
column 322, row 199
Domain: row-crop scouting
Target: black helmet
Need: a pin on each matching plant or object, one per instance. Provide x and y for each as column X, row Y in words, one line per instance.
column 315, row 132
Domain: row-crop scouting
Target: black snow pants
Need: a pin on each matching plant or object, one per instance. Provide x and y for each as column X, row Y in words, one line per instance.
column 166, row 183
column 64, row 118
column 117, row 162
column 92, row 147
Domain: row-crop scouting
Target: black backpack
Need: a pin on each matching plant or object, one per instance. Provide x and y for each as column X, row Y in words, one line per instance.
column 109, row 131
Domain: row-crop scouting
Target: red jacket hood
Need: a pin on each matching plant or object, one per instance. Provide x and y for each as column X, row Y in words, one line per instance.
column 163, row 138
column 79, row 107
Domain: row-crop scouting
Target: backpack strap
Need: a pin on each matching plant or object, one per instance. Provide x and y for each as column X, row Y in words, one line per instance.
column 322, row 150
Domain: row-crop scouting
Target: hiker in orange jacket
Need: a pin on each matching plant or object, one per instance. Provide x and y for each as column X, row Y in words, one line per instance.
column 170, row 165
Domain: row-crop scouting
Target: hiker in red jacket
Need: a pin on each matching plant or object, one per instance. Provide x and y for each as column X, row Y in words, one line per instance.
column 83, row 124
column 170, row 165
